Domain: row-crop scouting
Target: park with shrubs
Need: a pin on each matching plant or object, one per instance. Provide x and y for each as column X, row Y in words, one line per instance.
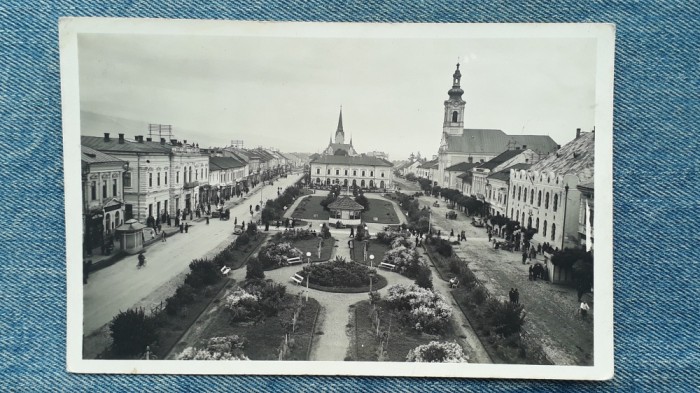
column 375, row 210
column 340, row 275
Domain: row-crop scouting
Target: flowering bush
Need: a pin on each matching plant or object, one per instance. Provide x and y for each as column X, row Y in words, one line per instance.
column 297, row 234
column 401, row 241
column 437, row 352
column 256, row 300
column 218, row 348
column 277, row 254
column 405, row 259
column 386, row 237
column 423, row 309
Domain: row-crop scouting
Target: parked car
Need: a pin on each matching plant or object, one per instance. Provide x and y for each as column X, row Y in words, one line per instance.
column 237, row 230
column 477, row 222
column 436, row 204
column 452, row 215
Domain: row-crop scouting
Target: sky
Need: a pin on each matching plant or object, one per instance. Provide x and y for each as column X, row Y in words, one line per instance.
column 286, row 93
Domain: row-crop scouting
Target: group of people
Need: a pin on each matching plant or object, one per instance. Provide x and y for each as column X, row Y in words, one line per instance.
column 460, row 236
column 537, row 271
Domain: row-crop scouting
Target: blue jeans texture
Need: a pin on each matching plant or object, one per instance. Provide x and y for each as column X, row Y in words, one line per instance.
column 656, row 188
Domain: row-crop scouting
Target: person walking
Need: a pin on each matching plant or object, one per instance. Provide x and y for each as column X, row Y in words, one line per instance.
column 352, row 232
column 511, row 295
column 529, row 273
column 267, row 226
column 187, row 227
column 162, row 237
column 235, row 221
column 182, row 228
column 583, row 310
column 516, row 294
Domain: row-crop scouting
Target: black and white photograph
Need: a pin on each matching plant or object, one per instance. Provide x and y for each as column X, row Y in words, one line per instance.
column 338, row 198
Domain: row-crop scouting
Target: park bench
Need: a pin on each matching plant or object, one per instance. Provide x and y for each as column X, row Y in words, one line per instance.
column 388, row 266
column 225, row 270
column 297, row 278
column 293, row 261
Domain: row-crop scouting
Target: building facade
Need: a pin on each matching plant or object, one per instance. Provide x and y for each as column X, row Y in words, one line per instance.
column 585, row 216
column 360, row 171
column 226, row 175
column 504, row 160
column 546, row 197
column 476, row 145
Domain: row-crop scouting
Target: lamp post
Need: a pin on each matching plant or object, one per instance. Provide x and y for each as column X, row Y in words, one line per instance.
column 371, row 266
column 308, row 256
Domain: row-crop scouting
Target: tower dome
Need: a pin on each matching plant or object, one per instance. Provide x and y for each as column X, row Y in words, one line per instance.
column 456, row 91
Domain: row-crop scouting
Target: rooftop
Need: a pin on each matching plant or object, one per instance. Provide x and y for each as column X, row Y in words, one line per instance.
column 500, row 159
column 222, row 163
column 113, row 145
column 574, row 158
column 495, row 141
column 461, row 167
column 345, row 203
column 92, row 156
column 352, row 160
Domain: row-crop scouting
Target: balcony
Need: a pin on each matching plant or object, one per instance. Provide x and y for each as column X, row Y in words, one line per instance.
column 191, row 184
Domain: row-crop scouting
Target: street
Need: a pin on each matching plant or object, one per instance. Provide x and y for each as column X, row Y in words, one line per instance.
column 121, row 285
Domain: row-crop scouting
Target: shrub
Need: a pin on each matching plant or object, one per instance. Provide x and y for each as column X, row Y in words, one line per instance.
column 437, row 352
column 132, row 330
column 325, row 232
column 455, row 265
column 361, row 233
column 423, row 278
column 297, row 234
column 203, row 272
column 442, row 246
column 406, row 260
column 504, row 318
column 252, row 229
column 338, row 273
column 218, row 348
column 275, row 255
column 422, row 309
column 254, row 270
column 362, row 200
column 242, row 239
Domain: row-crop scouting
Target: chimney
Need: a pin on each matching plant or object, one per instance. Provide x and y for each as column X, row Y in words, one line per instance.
column 106, row 136
column 121, row 138
column 162, row 141
column 149, row 139
column 578, row 133
column 139, row 138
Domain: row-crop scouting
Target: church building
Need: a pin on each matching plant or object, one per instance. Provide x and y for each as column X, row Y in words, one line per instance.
column 469, row 145
column 339, row 147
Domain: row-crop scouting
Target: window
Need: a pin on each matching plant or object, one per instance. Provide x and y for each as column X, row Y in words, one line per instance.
column 554, row 230
column 511, row 213
column 555, row 202
column 158, row 179
column 525, row 195
column 537, row 225
column 523, row 220
column 354, row 173
column 127, row 179
column 546, row 200
column 337, row 171
column 532, row 196
column 520, row 189
column 114, row 187
column 544, row 228
column 382, row 174
column 93, row 191
column 166, row 178
column 539, row 198
column 328, row 172
column 190, row 175
column 318, row 171
column 346, row 172
column 371, row 173
column 455, row 115
column 513, row 193
column 363, row 173
column 150, row 180
column 177, row 177
column 104, row 189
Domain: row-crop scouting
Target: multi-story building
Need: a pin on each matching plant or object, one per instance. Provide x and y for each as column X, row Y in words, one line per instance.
column 547, row 196
column 147, row 181
column 497, row 186
column 452, row 173
column 225, row 177
column 428, row 170
column 103, row 195
column 361, row 171
column 461, row 144
column 504, row 160
column 585, row 216
column 189, row 171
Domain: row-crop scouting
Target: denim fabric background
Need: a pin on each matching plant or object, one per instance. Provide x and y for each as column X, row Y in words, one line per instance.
column 656, row 188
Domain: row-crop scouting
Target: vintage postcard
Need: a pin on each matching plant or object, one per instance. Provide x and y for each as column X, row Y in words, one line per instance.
column 338, row 198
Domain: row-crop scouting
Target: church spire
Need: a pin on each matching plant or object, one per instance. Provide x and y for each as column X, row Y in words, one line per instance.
column 339, row 133
column 456, row 91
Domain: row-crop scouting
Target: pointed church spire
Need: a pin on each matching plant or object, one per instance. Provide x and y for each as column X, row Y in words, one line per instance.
column 340, row 121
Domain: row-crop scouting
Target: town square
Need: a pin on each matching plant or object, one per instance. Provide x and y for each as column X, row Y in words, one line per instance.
column 452, row 225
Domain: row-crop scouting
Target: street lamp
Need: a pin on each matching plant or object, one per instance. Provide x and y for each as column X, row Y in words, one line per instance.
column 371, row 266
column 308, row 275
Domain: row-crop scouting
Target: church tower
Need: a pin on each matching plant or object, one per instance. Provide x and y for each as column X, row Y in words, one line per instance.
column 339, row 133
column 453, row 123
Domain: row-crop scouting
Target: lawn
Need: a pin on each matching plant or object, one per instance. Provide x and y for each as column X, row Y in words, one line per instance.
column 311, row 245
column 240, row 256
column 402, row 338
column 264, row 339
column 375, row 248
column 310, row 209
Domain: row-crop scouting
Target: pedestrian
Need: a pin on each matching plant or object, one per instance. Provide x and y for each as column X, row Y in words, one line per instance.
column 416, row 241
column 207, row 218
column 187, row 226
column 242, row 225
column 452, row 233
column 524, row 257
column 277, row 224
column 235, row 221
column 191, row 214
column 162, row 237
column 517, row 296
column 182, row 228
column 539, row 248
column 439, row 232
column 583, row 310
column 511, row 295
column 267, row 226
column 251, row 208
column 529, row 273
column 352, row 232
column 490, row 235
